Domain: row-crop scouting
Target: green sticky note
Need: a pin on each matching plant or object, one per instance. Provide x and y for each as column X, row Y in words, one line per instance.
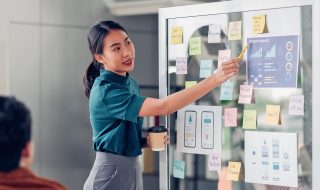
column 226, row 92
column 178, row 169
column 190, row 83
column 195, row 46
column 249, row 119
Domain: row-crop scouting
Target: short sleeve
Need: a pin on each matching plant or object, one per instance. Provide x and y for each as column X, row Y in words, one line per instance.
column 121, row 104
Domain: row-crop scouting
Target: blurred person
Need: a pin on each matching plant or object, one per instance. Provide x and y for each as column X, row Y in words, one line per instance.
column 17, row 150
column 116, row 106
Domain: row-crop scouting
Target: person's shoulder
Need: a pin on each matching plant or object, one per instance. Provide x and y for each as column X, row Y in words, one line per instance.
column 24, row 177
column 133, row 81
column 49, row 184
column 101, row 86
column 103, row 83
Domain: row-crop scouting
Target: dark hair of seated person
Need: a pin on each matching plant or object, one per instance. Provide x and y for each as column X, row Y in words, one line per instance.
column 15, row 132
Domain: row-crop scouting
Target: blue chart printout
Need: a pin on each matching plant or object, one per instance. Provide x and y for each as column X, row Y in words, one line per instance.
column 272, row 62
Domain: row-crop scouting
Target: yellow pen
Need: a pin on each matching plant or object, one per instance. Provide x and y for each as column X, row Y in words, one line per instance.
column 242, row 52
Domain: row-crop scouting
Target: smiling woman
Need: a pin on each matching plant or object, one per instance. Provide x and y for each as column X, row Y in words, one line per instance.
column 116, row 107
column 119, row 53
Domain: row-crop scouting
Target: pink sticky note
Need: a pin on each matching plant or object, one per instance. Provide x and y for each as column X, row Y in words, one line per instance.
column 181, row 65
column 214, row 162
column 223, row 56
column 223, row 183
column 230, row 117
column 296, row 105
column 245, row 95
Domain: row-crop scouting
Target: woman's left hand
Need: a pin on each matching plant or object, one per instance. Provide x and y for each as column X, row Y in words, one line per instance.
column 166, row 141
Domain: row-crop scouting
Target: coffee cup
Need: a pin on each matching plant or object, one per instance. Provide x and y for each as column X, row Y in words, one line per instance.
column 157, row 137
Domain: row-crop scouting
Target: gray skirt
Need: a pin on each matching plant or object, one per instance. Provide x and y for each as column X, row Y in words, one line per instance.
column 114, row 172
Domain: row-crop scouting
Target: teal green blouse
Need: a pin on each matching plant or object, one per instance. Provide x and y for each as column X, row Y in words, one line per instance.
column 114, row 106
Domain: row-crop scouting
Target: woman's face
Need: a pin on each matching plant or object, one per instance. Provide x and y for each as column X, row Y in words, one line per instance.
column 118, row 53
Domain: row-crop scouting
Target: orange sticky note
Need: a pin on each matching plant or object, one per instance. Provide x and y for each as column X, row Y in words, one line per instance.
column 230, row 117
column 234, row 171
column 272, row 116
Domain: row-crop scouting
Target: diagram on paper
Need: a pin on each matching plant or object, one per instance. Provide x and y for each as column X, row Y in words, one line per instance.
column 271, row 158
column 272, row 62
column 199, row 129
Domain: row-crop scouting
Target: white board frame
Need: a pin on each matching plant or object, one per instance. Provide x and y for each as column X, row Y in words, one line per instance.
column 241, row 6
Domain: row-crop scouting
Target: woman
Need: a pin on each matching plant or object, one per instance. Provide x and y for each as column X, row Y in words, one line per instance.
column 116, row 107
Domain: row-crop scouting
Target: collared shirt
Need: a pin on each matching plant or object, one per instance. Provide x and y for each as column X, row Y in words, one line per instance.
column 114, row 106
column 24, row 179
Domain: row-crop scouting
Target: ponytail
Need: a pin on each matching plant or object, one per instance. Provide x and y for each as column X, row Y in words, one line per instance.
column 92, row 72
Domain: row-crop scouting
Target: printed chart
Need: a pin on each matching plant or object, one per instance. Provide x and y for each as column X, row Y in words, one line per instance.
column 272, row 62
column 271, row 158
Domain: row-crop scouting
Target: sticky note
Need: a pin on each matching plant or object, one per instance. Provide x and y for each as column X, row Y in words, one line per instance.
column 296, row 105
column 234, row 31
column 195, row 46
column 226, row 92
column 205, row 68
column 214, row 33
column 259, row 24
column 272, row 116
column 181, row 65
column 249, row 119
column 214, row 162
column 178, row 169
column 223, row 183
column 230, row 117
column 245, row 95
column 234, row 171
column 177, row 35
column 190, row 83
column 223, row 56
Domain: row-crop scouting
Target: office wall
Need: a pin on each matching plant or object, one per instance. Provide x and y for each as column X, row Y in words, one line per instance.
column 4, row 22
column 48, row 54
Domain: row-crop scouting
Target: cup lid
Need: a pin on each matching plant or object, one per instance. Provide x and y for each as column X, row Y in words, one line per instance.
column 158, row 129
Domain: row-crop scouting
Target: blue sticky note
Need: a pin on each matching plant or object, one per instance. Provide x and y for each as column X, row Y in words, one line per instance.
column 205, row 68
column 226, row 92
column 178, row 169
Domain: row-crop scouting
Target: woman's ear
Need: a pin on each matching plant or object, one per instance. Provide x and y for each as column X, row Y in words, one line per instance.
column 99, row 58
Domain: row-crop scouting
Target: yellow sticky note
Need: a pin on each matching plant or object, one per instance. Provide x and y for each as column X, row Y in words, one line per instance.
column 190, row 83
column 234, row 171
column 195, row 46
column 177, row 35
column 273, row 115
column 234, row 32
column 259, row 24
column 249, row 119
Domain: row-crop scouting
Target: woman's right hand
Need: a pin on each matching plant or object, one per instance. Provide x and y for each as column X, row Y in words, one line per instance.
column 227, row 70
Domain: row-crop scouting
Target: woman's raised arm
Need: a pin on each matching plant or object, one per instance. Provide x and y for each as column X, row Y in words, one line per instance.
column 178, row 100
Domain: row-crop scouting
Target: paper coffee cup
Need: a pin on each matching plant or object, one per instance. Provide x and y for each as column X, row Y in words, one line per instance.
column 157, row 137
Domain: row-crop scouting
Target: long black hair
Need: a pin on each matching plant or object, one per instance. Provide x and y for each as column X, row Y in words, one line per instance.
column 96, row 35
